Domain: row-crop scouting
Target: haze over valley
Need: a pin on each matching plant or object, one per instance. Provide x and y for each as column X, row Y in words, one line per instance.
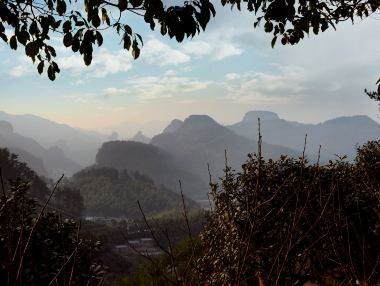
column 183, row 150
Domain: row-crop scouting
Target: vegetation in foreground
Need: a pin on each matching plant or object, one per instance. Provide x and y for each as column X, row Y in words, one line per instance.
column 282, row 222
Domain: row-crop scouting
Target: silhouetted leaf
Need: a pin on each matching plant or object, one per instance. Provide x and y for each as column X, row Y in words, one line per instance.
column 51, row 72
column 40, row 67
column 135, row 53
column 67, row 40
column 13, row 42
column 99, row 38
column 273, row 41
column 128, row 29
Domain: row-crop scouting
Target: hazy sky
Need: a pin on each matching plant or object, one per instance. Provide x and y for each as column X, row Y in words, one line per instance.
column 224, row 72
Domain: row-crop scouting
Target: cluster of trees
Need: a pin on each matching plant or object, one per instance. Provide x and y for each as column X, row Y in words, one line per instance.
column 108, row 192
column 284, row 222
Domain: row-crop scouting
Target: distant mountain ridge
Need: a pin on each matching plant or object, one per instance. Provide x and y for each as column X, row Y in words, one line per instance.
column 200, row 140
column 50, row 162
column 140, row 137
column 78, row 145
column 336, row 136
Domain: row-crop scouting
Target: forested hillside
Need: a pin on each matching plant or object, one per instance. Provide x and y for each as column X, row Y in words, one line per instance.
column 154, row 162
column 108, row 192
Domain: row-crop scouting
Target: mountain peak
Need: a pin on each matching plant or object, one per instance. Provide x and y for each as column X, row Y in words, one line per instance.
column 174, row 125
column 140, row 137
column 358, row 119
column 263, row 115
column 199, row 120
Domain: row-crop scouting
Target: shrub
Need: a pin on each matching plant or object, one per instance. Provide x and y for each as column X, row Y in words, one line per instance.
column 287, row 222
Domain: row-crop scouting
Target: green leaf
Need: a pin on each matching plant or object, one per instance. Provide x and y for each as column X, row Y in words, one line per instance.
column 13, row 42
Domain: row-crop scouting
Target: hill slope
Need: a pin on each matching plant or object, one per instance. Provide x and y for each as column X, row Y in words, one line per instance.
column 151, row 161
column 79, row 145
column 107, row 192
column 54, row 161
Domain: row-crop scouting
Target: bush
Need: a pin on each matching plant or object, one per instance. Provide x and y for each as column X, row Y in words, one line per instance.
column 287, row 222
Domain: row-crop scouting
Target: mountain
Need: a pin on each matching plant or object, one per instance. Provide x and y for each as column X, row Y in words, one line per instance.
column 336, row 136
column 151, row 161
column 140, row 137
column 173, row 126
column 54, row 161
column 127, row 129
column 78, row 145
column 200, row 140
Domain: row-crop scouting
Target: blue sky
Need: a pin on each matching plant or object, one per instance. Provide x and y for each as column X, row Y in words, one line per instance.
column 224, row 72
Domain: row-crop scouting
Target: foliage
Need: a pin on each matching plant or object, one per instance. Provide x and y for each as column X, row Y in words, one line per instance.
column 286, row 223
column 69, row 201
column 162, row 271
column 283, row 222
column 41, row 248
column 11, row 168
column 107, row 192
column 34, row 22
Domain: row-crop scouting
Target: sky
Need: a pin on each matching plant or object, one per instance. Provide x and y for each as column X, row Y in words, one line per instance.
column 224, row 72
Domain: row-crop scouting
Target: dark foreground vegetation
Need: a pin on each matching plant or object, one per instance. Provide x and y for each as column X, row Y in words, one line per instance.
column 283, row 222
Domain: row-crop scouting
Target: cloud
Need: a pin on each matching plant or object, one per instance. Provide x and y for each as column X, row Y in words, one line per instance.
column 81, row 98
column 232, row 76
column 148, row 88
column 105, row 63
column 158, row 53
column 219, row 45
column 260, row 87
column 22, row 68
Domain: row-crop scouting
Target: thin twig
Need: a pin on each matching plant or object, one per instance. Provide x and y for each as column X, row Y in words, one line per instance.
column 34, row 227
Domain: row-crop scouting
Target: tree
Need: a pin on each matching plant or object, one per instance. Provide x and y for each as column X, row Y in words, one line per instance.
column 33, row 22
